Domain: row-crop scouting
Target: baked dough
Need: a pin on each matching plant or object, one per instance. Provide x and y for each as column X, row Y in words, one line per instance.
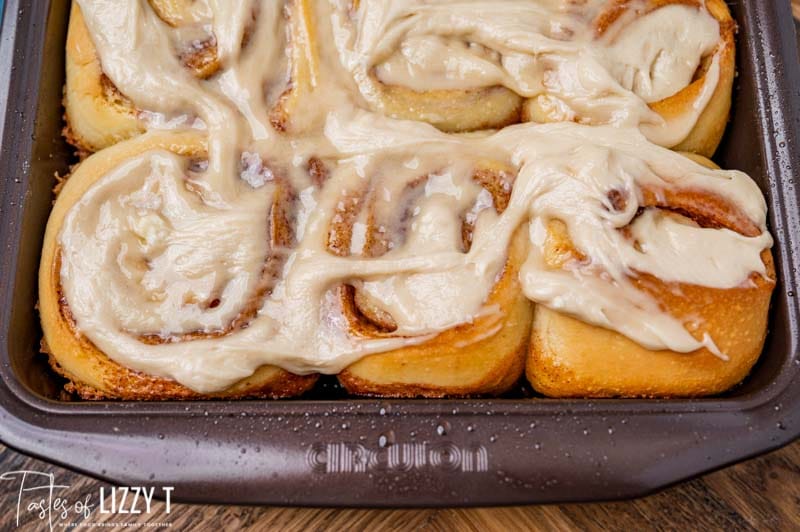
column 571, row 358
column 485, row 357
column 91, row 373
column 97, row 114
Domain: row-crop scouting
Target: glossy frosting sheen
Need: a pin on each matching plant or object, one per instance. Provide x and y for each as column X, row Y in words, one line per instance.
column 154, row 241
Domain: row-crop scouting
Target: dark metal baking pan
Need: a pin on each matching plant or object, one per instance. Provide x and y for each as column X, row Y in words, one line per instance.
column 322, row 450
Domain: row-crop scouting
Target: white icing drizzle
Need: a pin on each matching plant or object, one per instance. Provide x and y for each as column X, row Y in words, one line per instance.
column 143, row 252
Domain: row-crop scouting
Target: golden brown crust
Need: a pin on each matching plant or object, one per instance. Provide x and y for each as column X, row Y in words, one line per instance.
column 485, row 357
column 124, row 384
column 91, row 373
column 454, row 110
column 494, row 381
column 570, row 358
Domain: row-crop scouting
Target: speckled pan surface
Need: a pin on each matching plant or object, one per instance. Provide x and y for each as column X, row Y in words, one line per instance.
column 328, row 450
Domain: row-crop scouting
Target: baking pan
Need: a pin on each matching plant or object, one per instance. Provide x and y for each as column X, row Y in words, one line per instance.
column 329, row 450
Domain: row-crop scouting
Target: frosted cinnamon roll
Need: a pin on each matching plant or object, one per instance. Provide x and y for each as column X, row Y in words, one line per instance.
column 161, row 285
column 482, row 357
column 698, row 98
column 97, row 115
column 666, row 66
column 201, row 36
column 578, row 354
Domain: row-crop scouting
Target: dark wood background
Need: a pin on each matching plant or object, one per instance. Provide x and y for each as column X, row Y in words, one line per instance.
column 761, row 494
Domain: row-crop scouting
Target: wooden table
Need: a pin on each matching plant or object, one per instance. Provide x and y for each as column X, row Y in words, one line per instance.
column 763, row 493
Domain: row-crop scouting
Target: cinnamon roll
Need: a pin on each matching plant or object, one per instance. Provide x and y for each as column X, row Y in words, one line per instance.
column 574, row 357
column 664, row 65
column 153, row 250
column 98, row 114
column 705, row 100
column 482, row 357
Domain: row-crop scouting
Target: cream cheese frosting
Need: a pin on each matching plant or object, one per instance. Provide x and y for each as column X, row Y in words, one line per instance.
column 168, row 247
column 546, row 50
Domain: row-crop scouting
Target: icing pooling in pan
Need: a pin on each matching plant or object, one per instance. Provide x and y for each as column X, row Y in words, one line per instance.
column 165, row 246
